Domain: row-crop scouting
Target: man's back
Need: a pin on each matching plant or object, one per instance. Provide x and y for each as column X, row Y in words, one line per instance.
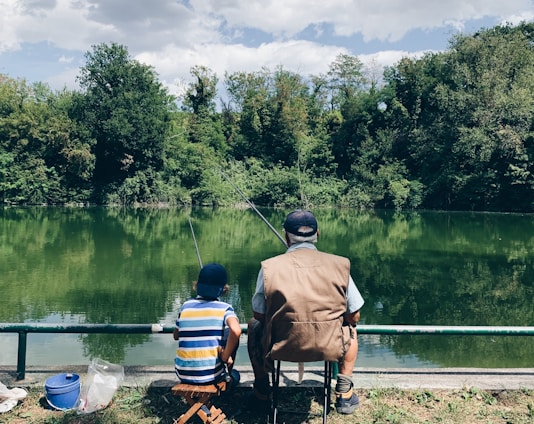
column 305, row 293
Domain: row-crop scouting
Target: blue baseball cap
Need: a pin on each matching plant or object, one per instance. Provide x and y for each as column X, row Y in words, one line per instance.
column 298, row 219
column 211, row 281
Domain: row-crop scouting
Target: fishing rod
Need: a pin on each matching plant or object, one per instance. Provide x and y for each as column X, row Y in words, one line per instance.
column 300, row 364
column 227, row 376
column 196, row 245
column 254, row 208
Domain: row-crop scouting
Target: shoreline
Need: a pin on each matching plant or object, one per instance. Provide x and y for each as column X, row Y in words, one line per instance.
column 364, row 378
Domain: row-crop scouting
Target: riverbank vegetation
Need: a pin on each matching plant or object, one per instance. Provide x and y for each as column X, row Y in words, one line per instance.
column 381, row 405
column 452, row 130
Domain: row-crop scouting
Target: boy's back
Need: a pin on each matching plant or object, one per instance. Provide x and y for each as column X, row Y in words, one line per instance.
column 207, row 331
column 201, row 326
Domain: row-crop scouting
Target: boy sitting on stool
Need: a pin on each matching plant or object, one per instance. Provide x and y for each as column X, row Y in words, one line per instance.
column 208, row 331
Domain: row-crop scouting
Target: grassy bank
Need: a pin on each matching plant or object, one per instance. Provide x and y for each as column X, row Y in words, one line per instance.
column 299, row 405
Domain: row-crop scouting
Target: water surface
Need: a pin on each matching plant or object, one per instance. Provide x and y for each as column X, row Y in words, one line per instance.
column 136, row 266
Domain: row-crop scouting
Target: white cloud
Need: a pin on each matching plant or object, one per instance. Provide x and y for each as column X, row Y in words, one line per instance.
column 236, row 35
column 388, row 57
column 10, row 22
column 143, row 24
column 516, row 19
column 299, row 56
column 64, row 59
column 65, row 79
column 374, row 19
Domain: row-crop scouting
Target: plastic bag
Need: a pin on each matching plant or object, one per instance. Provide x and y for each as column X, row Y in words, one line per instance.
column 102, row 381
column 10, row 397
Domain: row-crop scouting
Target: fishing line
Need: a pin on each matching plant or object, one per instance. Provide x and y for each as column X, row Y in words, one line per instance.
column 227, row 376
column 254, row 208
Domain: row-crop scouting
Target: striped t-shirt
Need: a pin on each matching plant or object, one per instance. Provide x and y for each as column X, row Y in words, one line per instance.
column 201, row 326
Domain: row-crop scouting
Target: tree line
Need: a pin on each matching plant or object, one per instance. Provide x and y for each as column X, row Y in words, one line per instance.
column 451, row 131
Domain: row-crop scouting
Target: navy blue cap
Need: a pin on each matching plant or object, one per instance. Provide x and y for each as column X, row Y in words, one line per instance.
column 300, row 218
column 211, row 281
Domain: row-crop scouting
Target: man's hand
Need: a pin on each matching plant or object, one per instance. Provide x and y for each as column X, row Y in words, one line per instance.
column 352, row 318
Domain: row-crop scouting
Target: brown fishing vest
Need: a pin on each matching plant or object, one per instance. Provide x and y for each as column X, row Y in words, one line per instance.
column 305, row 295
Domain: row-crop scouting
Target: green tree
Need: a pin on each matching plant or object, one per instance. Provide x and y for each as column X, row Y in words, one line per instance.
column 463, row 120
column 45, row 158
column 204, row 124
column 247, row 106
column 128, row 112
column 274, row 127
column 286, row 137
column 204, row 147
column 345, row 79
column 494, row 71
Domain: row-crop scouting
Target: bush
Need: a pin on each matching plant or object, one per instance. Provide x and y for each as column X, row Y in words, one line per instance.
column 356, row 198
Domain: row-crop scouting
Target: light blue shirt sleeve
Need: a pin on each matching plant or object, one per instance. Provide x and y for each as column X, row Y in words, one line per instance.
column 354, row 298
column 258, row 300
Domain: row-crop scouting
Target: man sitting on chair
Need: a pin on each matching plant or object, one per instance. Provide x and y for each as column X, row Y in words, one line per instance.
column 306, row 307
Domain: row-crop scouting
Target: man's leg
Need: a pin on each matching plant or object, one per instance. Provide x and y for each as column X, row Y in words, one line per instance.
column 262, row 388
column 346, row 399
column 346, row 365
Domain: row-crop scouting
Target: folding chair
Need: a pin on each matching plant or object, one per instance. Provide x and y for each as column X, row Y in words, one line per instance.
column 200, row 399
column 327, row 389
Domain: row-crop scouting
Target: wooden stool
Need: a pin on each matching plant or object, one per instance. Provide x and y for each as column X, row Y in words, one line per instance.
column 199, row 399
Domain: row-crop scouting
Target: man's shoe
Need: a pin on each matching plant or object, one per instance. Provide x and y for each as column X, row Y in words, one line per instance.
column 346, row 403
column 259, row 402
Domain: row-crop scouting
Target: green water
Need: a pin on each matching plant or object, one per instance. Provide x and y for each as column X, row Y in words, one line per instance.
column 125, row 266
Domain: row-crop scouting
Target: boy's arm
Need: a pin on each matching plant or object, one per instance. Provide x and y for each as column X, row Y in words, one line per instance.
column 233, row 339
column 176, row 332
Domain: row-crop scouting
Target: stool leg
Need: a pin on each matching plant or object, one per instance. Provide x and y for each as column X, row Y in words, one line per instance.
column 194, row 408
column 201, row 405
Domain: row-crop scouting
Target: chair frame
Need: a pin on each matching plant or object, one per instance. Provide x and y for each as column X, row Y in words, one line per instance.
column 327, row 389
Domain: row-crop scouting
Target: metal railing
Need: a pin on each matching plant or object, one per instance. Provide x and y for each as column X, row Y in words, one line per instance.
column 23, row 329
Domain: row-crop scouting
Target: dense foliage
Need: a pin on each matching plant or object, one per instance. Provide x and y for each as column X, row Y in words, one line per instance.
column 451, row 130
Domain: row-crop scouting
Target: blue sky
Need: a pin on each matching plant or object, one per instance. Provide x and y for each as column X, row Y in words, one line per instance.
column 45, row 40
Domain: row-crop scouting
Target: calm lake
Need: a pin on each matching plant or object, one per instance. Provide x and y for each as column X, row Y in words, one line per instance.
column 136, row 266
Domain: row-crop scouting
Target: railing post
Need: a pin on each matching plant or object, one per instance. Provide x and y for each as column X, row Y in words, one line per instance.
column 21, row 358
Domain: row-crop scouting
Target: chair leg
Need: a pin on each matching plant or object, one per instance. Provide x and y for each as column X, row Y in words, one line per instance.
column 327, row 387
column 276, row 385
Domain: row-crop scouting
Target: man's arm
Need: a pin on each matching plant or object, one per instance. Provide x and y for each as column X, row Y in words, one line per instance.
column 259, row 317
column 258, row 300
column 354, row 303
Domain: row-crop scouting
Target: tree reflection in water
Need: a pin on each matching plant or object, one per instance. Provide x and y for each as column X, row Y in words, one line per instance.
column 130, row 266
